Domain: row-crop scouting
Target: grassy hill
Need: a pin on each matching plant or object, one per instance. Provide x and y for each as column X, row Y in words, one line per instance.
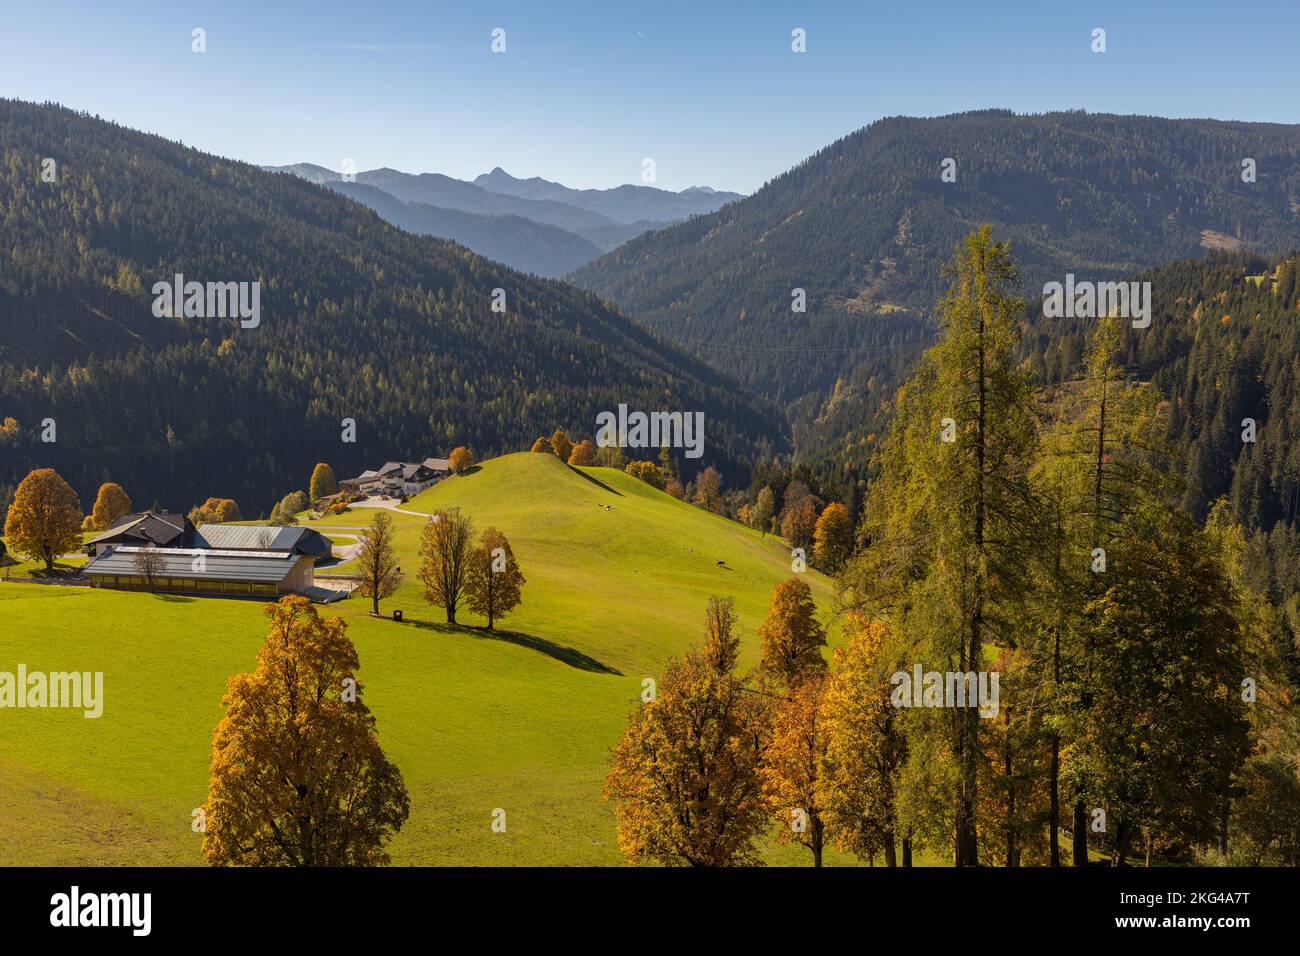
column 521, row 719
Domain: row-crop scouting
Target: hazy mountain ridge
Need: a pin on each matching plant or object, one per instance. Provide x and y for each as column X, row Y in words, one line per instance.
column 527, row 245
column 626, row 204
column 604, row 217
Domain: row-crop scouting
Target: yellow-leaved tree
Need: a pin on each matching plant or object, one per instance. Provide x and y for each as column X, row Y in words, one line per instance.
column 493, row 580
column 866, row 748
column 583, row 454
column 44, row 520
column 561, row 445
column 794, row 762
column 832, row 538
column 791, row 637
column 685, row 778
column 297, row 776
column 323, row 483
column 110, row 504
column 460, row 460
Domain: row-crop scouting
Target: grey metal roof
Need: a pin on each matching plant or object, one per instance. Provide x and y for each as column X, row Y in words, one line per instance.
column 259, row 566
column 164, row 529
column 234, row 537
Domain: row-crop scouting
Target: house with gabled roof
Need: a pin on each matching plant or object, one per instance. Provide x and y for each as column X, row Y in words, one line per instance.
column 143, row 529
column 398, row 478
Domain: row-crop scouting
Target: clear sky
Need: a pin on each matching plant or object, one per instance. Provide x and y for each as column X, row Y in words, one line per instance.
column 586, row 90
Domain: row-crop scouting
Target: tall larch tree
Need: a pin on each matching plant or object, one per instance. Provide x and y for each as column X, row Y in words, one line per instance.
column 764, row 509
column 948, row 520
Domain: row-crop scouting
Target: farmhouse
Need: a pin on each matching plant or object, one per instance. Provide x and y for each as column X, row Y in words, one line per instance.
column 398, row 478
column 262, row 560
column 142, row 530
column 199, row 571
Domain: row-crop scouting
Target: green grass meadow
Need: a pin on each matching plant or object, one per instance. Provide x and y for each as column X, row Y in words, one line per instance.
column 521, row 719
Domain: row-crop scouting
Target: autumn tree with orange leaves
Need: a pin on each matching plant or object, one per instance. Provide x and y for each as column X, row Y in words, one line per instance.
column 110, row 504
column 866, row 747
column 685, row 775
column 791, row 637
column 794, row 764
column 297, row 775
column 44, row 520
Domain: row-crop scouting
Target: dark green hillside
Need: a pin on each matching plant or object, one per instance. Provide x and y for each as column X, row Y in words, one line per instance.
column 1223, row 346
column 863, row 224
column 359, row 320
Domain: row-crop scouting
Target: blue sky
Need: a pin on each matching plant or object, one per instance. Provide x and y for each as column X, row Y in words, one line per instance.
column 585, row 91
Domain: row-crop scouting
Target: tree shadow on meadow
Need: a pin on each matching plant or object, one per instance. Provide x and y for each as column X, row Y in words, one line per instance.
column 595, row 481
column 565, row 655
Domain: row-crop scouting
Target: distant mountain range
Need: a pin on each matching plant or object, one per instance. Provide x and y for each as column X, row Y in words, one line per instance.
column 533, row 224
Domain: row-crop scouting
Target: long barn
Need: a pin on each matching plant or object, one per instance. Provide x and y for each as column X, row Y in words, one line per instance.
column 203, row 571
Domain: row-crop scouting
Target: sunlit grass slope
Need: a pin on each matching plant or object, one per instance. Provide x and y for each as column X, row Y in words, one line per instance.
column 520, row 720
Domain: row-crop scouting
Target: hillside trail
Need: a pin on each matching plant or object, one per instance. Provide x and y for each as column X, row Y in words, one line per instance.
column 390, row 505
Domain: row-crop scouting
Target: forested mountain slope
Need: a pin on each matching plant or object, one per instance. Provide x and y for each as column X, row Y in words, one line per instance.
column 863, row 225
column 358, row 320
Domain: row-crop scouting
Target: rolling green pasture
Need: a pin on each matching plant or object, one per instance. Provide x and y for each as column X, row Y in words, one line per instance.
column 520, row 719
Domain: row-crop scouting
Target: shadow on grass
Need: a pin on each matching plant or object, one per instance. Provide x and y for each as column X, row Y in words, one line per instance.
column 595, row 481
column 175, row 598
column 565, row 655
column 60, row 571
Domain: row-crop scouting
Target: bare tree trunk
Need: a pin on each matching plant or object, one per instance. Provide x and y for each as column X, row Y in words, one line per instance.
column 1011, row 795
column 1080, row 834
column 1121, row 844
column 907, row 849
